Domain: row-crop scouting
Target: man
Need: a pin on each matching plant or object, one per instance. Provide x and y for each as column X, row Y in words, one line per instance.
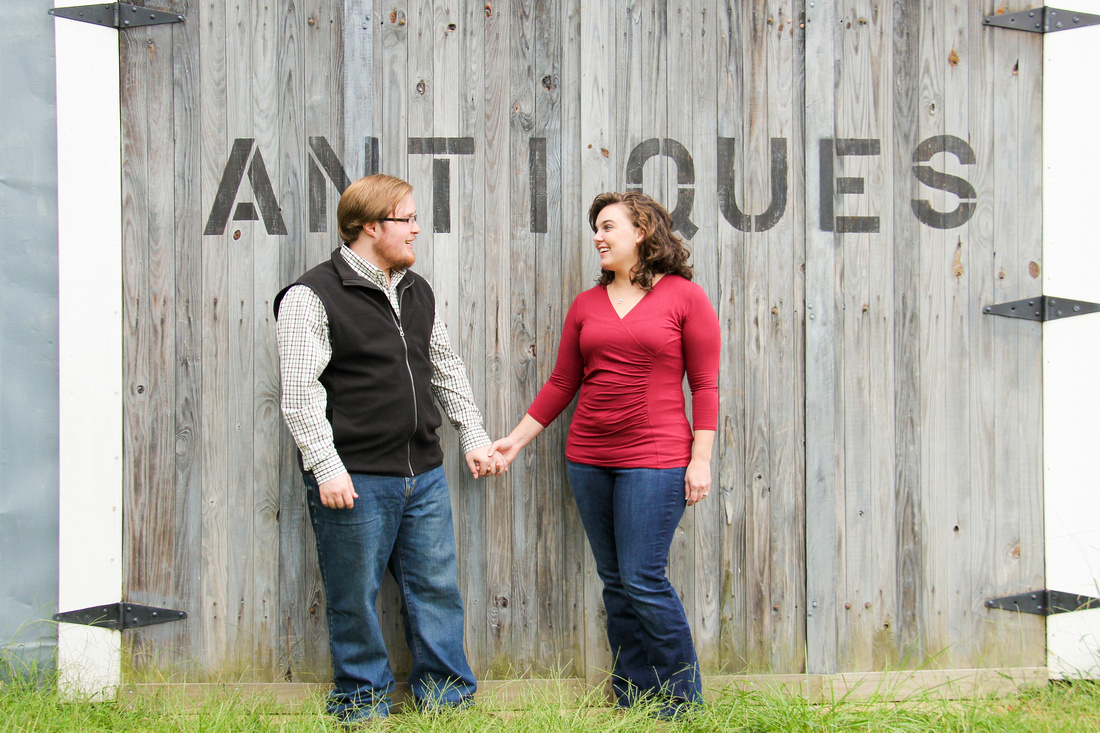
column 361, row 354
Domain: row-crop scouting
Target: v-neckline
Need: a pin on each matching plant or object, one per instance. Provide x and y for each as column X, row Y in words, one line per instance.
column 610, row 302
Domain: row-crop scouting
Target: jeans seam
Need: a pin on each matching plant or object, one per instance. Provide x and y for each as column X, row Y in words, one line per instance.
column 414, row 635
column 321, row 567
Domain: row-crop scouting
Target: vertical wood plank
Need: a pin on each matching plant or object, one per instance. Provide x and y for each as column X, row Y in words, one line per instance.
column 1031, row 573
column 979, row 553
column 217, row 135
column 186, row 115
column 878, row 324
column 359, row 47
column 785, row 378
column 523, row 377
column 404, row 101
column 730, row 444
column 910, row 584
column 855, row 120
column 702, row 140
column 576, row 246
column 679, row 112
column 285, row 105
column 934, row 271
column 547, row 125
column 149, row 318
column 407, row 111
column 598, row 53
column 958, row 316
column 825, row 569
column 501, row 408
column 1008, row 637
column 463, row 55
column 758, row 347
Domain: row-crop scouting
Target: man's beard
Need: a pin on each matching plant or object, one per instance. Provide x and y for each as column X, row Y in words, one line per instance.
column 401, row 259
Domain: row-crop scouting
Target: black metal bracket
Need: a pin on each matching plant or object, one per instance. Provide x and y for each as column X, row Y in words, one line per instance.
column 116, row 15
column 1044, row 602
column 1041, row 20
column 120, row 616
column 1043, row 308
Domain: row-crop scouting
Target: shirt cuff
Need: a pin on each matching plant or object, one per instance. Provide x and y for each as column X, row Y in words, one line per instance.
column 328, row 468
column 472, row 438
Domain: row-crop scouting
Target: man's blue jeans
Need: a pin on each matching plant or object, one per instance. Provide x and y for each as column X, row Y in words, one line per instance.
column 630, row 515
column 404, row 524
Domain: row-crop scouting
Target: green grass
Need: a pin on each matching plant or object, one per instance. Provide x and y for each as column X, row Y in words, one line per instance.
column 26, row 706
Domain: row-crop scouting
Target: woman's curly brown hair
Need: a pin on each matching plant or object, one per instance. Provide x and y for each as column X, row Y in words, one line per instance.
column 659, row 252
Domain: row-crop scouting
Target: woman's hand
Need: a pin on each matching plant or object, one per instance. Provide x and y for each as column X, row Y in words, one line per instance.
column 697, row 478
column 508, row 448
column 697, row 481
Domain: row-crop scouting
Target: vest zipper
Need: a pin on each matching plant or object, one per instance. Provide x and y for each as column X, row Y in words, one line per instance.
column 412, row 383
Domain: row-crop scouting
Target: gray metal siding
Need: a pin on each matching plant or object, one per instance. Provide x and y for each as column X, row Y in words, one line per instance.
column 28, row 336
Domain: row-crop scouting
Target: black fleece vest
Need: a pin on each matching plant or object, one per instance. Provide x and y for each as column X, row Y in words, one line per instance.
column 379, row 380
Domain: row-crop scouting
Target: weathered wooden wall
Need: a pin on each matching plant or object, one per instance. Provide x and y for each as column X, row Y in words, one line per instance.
column 879, row 449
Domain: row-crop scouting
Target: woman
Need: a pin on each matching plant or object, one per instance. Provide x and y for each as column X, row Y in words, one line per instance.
column 634, row 462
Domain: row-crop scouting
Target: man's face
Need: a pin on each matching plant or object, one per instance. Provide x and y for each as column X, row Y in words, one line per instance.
column 393, row 247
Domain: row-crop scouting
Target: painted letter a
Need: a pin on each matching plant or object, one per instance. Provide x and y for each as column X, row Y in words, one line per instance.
column 261, row 187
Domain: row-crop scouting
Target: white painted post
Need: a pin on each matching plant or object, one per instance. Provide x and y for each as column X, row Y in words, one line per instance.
column 1071, row 347
column 89, row 183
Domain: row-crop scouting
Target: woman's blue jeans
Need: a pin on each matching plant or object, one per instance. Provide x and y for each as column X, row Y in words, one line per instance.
column 630, row 515
column 403, row 524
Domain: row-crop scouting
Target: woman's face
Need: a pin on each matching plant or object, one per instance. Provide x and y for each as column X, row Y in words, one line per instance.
column 617, row 239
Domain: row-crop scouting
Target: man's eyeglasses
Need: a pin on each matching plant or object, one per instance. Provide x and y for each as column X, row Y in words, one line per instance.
column 411, row 219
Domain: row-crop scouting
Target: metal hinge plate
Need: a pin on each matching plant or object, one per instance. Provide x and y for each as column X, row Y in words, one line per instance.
column 1044, row 602
column 1041, row 20
column 1043, row 308
column 120, row 616
column 116, row 15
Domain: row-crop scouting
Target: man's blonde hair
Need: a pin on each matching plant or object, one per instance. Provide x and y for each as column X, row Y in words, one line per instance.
column 369, row 200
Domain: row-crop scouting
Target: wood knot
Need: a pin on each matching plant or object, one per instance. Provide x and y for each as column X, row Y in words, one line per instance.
column 421, row 87
column 547, row 82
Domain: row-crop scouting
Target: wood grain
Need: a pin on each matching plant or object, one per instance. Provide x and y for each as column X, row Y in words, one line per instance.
column 877, row 464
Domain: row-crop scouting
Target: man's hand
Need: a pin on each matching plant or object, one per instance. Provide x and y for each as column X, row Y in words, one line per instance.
column 338, row 492
column 481, row 463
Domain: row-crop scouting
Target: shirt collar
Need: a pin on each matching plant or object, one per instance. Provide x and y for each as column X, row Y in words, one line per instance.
column 368, row 271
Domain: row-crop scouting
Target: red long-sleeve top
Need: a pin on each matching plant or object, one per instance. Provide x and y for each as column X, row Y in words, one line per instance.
column 630, row 372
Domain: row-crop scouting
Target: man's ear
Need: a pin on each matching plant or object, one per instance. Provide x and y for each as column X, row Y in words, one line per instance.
column 371, row 229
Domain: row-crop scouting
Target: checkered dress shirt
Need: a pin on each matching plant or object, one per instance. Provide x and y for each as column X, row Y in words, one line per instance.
column 305, row 350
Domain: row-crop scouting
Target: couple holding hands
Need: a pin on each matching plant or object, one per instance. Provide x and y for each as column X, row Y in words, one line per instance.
column 362, row 355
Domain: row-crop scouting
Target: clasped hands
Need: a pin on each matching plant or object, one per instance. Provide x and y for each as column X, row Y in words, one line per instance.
column 491, row 460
